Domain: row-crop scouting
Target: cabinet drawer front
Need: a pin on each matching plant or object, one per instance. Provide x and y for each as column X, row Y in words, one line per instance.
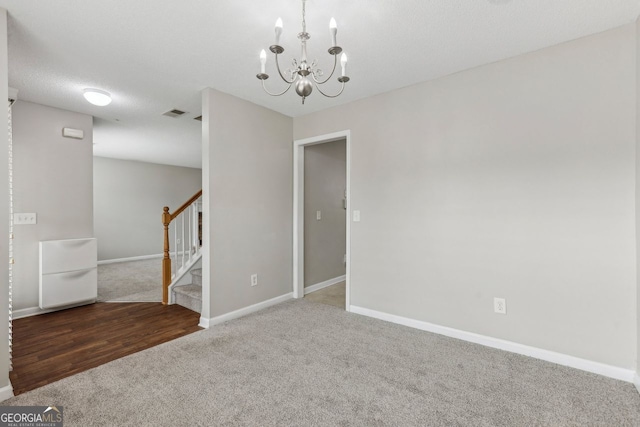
column 57, row 256
column 68, row 288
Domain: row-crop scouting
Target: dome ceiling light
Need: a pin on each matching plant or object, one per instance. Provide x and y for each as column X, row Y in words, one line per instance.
column 97, row 97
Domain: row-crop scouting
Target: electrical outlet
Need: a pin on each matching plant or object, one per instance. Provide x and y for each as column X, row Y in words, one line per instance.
column 500, row 305
column 254, row 280
column 356, row 216
column 318, row 215
column 24, row 218
column 344, row 259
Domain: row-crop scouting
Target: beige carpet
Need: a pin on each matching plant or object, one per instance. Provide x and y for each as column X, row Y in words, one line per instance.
column 133, row 281
column 307, row 364
column 334, row 295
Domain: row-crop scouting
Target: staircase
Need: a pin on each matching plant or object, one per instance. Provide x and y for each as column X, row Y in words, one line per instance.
column 183, row 234
column 190, row 296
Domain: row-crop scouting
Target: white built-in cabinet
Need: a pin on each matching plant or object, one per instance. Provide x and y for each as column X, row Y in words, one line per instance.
column 68, row 272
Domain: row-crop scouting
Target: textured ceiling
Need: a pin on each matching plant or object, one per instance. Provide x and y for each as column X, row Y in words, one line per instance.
column 153, row 56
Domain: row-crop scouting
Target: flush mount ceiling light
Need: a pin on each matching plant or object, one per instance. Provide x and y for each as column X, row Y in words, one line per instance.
column 304, row 75
column 97, row 97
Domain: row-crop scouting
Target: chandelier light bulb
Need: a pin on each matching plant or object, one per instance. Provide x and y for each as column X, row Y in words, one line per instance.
column 97, row 97
column 263, row 61
column 343, row 62
column 278, row 31
column 333, row 28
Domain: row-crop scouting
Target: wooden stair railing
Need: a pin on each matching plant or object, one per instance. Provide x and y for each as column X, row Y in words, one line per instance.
column 167, row 217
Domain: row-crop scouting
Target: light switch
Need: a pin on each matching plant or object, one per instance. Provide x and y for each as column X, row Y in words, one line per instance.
column 24, row 218
column 356, row 216
column 318, row 215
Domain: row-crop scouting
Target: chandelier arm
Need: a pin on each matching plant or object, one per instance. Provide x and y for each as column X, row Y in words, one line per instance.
column 276, row 94
column 329, row 96
column 280, row 72
column 335, row 63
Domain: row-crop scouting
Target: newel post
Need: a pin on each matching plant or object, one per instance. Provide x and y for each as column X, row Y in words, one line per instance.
column 166, row 260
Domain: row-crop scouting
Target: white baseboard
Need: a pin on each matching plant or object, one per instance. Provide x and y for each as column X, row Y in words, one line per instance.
column 538, row 353
column 322, row 285
column 133, row 258
column 205, row 323
column 34, row 311
column 6, row 392
column 636, row 382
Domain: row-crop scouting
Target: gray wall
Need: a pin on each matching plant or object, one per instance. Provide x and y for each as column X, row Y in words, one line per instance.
column 248, row 159
column 53, row 177
column 325, row 181
column 514, row 180
column 128, row 201
column 4, row 209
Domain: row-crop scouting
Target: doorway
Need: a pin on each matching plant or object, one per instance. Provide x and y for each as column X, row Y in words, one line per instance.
column 319, row 208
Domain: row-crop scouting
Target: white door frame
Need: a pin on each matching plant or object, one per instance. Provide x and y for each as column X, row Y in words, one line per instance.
column 298, row 210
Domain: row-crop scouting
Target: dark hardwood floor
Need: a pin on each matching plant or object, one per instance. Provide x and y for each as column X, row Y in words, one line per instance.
column 53, row 346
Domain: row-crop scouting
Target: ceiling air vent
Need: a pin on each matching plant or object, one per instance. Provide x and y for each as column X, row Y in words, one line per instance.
column 199, row 118
column 174, row 113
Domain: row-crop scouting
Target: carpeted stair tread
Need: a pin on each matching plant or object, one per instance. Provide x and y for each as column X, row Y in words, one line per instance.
column 189, row 296
column 194, row 291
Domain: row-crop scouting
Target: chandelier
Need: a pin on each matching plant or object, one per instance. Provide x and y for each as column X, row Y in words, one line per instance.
column 304, row 75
